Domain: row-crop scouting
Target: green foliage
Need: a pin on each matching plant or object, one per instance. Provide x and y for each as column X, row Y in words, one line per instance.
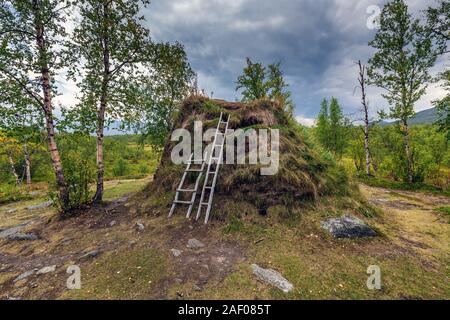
column 430, row 153
column 163, row 92
column 120, row 168
column 332, row 127
column 79, row 167
column 252, row 81
column 259, row 82
column 401, row 66
column 279, row 89
column 443, row 105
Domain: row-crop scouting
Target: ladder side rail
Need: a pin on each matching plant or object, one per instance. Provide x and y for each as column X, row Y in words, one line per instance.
column 210, row 157
column 213, row 187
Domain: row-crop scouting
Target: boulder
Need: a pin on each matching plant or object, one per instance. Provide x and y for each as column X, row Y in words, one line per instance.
column 348, row 227
column 195, row 244
column 273, row 278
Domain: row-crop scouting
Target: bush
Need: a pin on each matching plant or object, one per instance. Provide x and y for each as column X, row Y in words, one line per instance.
column 79, row 169
column 120, row 168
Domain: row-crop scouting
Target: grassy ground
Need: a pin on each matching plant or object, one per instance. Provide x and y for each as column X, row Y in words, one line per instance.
column 412, row 252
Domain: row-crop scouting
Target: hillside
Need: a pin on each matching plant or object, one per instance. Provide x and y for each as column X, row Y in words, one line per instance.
column 428, row 116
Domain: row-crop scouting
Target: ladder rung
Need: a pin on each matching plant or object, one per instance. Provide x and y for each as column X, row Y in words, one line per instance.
column 194, row 170
column 208, row 187
column 186, row 190
column 182, row 202
column 204, row 204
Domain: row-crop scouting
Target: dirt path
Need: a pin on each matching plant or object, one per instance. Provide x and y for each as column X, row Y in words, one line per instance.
column 413, row 218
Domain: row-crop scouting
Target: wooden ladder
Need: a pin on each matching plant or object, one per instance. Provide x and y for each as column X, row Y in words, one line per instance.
column 182, row 190
column 214, row 160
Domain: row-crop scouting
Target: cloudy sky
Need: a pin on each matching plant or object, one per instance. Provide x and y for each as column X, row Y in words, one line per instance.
column 316, row 41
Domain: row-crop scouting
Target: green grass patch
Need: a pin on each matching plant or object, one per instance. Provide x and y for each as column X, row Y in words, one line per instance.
column 122, row 275
column 445, row 211
column 396, row 185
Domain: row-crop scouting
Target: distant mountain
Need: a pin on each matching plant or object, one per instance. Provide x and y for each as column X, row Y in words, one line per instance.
column 428, row 116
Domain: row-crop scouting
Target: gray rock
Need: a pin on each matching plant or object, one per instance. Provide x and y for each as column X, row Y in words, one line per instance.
column 273, row 278
column 7, row 232
column 22, row 237
column 47, row 269
column 112, row 223
column 348, row 227
column 91, row 254
column 10, row 211
column 140, row 226
column 176, row 253
column 40, row 206
column 195, row 244
column 24, row 275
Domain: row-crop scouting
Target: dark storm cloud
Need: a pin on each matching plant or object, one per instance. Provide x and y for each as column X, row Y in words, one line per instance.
column 317, row 42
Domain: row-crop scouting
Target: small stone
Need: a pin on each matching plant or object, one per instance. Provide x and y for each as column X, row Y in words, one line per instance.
column 10, row 211
column 24, row 275
column 178, row 281
column 140, row 226
column 273, row 278
column 191, row 227
column 176, row 253
column 23, row 237
column 221, row 259
column 197, row 288
column 47, row 269
column 91, row 254
column 112, row 223
column 195, row 244
column 40, row 206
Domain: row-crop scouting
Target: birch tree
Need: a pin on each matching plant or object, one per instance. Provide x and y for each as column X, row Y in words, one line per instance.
column 30, row 41
column 401, row 66
column 109, row 47
column 365, row 107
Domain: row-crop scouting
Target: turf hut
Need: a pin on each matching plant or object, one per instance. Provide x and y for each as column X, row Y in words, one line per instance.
column 303, row 176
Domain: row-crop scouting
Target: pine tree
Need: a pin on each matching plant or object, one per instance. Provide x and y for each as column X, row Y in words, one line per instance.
column 323, row 124
column 337, row 128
